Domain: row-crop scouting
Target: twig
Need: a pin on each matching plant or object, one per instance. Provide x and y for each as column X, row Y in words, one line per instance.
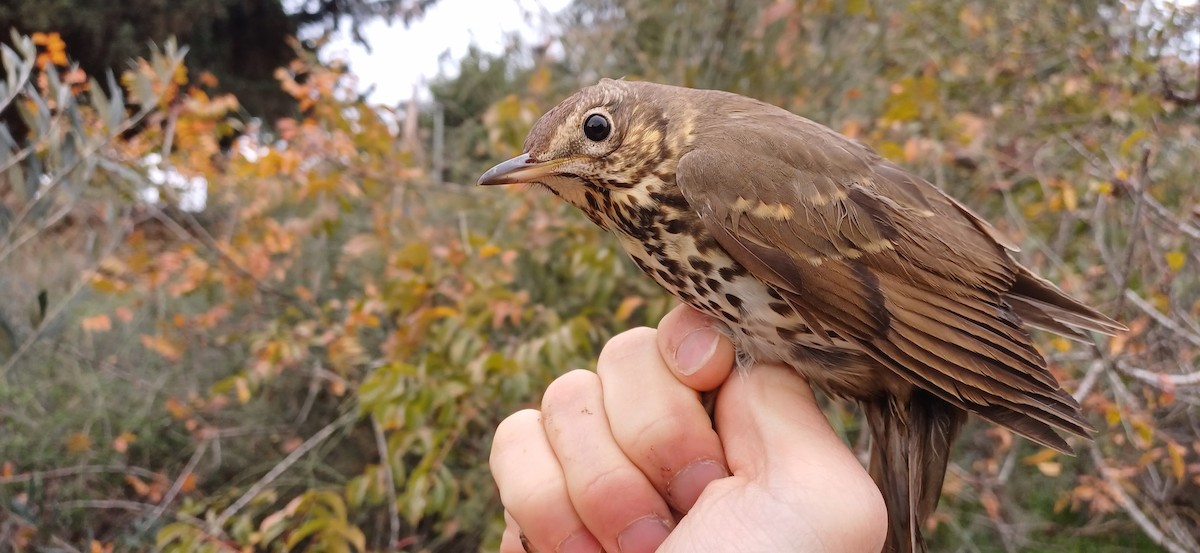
column 1161, row 318
column 76, row 471
column 1135, row 224
column 177, row 485
column 1165, row 214
column 1089, row 380
column 1115, row 490
column 389, row 484
column 121, row 504
column 315, row 440
column 1158, row 379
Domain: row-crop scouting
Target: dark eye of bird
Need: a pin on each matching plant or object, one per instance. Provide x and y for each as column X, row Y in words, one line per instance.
column 596, row 127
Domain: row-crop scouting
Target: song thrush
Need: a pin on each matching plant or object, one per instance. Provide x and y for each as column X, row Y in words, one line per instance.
column 816, row 252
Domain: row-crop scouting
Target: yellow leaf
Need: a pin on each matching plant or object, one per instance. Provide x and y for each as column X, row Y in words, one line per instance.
column 1176, row 260
column 441, row 312
column 489, row 251
column 1103, row 188
column 1178, row 467
column 78, row 442
column 1050, row 469
column 243, row 390
column 1132, row 140
column 1070, row 199
column 1043, row 456
column 1112, row 415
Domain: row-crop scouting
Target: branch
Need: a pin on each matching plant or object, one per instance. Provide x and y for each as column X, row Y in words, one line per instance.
column 76, row 471
column 1161, row 318
column 315, row 440
column 1169, row 89
column 177, row 485
column 1115, row 490
column 389, row 483
column 1158, row 379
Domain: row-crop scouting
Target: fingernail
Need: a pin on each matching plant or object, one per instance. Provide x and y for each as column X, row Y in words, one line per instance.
column 685, row 487
column 695, row 350
column 581, row 541
column 643, row 535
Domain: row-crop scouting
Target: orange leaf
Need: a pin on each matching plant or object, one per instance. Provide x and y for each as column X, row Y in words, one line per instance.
column 163, row 347
column 124, row 314
column 627, row 307
column 139, row 487
column 178, row 410
column 121, row 442
column 189, row 483
column 96, row 323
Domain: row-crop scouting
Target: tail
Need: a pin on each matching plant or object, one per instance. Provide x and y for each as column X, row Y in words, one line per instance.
column 909, row 454
column 1043, row 305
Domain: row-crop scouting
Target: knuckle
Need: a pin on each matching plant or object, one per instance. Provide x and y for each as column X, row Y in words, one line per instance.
column 569, row 391
column 653, row 437
column 595, row 495
column 516, row 426
column 621, row 347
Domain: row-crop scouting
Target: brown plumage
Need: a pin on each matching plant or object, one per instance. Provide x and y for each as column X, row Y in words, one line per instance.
column 817, row 252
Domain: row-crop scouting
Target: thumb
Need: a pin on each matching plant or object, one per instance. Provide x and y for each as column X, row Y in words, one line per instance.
column 771, row 426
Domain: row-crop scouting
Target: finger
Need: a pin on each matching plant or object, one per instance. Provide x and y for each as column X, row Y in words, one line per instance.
column 697, row 353
column 615, row 500
column 774, row 433
column 533, row 488
column 658, row 422
column 769, row 415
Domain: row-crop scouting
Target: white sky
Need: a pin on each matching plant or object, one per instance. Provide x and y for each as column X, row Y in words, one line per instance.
column 403, row 57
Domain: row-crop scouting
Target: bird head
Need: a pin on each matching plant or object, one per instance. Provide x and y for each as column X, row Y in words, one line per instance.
column 607, row 141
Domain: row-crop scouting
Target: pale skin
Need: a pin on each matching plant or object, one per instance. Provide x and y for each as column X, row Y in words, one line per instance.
column 625, row 459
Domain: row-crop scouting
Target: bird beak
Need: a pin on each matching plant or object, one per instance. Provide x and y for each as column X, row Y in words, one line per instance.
column 519, row 169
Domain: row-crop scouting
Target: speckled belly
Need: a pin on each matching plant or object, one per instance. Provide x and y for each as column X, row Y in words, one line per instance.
column 762, row 326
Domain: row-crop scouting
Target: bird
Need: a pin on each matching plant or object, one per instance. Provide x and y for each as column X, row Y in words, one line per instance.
column 810, row 249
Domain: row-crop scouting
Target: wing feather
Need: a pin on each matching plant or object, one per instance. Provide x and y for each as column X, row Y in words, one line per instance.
column 886, row 260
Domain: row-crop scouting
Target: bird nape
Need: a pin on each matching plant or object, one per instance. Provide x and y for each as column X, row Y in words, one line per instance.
column 816, row 252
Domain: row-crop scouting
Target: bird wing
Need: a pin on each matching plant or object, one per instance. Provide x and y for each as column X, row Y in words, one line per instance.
column 884, row 259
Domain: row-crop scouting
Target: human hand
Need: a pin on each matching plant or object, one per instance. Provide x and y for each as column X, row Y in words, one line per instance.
column 626, row 458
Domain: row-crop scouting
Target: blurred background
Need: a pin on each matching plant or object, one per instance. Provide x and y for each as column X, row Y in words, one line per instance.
column 250, row 299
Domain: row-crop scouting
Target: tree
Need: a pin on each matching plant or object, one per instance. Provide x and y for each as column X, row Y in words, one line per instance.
column 241, row 42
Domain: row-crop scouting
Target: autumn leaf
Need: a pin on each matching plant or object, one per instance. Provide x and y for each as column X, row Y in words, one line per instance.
column 177, row 409
column 78, row 442
column 120, row 444
column 96, row 323
column 162, row 346
column 1176, row 260
column 627, row 307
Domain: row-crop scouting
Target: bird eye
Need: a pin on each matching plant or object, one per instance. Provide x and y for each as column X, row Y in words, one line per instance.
column 596, row 127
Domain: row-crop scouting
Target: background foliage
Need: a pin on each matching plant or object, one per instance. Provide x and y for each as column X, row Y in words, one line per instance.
column 317, row 358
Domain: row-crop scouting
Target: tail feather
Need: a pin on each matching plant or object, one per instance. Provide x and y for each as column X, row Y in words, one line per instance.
column 1040, row 303
column 910, row 451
